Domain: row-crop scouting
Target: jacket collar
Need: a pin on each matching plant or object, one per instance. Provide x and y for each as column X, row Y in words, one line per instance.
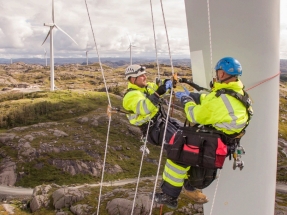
column 235, row 85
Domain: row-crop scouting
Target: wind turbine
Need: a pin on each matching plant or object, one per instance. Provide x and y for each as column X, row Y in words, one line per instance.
column 130, row 47
column 52, row 25
column 45, row 56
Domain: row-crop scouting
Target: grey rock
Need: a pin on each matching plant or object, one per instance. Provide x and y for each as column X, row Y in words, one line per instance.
column 8, row 175
column 39, row 201
column 81, row 209
column 124, row 206
column 6, row 137
column 82, row 120
column 65, row 197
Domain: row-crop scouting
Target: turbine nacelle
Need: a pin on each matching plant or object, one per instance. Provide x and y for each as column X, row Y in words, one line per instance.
column 49, row 24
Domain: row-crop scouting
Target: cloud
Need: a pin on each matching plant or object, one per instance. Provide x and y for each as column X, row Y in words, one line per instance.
column 22, row 31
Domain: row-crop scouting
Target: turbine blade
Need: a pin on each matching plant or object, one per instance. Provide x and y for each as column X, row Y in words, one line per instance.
column 65, row 33
column 46, row 37
column 129, row 38
column 53, row 18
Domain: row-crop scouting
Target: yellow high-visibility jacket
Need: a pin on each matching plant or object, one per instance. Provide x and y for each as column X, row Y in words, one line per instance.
column 141, row 103
column 225, row 113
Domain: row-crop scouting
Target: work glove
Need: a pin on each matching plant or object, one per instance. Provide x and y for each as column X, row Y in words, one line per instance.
column 183, row 97
column 186, row 91
column 168, row 84
column 161, row 90
column 194, row 96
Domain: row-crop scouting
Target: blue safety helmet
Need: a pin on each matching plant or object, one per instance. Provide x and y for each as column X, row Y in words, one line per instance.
column 229, row 65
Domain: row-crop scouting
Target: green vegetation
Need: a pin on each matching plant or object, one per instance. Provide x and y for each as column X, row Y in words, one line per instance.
column 81, row 94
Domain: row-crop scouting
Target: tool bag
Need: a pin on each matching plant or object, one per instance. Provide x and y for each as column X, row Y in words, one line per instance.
column 156, row 130
column 157, row 126
column 198, row 147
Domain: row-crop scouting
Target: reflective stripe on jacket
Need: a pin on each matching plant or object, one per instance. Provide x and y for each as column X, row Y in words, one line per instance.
column 225, row 113
column 136, row 102
column 174, row 174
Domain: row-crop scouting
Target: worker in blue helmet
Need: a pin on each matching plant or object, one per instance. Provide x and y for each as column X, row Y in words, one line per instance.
column 231, row 68
column 218, row 110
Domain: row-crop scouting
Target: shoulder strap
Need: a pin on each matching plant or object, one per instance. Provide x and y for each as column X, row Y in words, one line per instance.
column 244, row 99
column 128, row 90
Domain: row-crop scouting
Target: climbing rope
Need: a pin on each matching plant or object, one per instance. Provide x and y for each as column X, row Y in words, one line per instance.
column 265, row 80
column 168, row 110
column 210, row 43
column 138, row 180
column 145, row 140
column 215, row 192
column 155, row 46
column 109, row 115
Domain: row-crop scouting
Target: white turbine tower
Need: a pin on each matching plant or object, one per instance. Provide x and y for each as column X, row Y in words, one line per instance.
column 87, row 59
column 45, row 56
column 130, row 47
column 52, row 25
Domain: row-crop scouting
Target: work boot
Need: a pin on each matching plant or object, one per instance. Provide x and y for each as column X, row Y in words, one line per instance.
column 162, row 198
column 195, row 196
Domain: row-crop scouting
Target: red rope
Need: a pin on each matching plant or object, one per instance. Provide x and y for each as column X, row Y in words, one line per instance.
column 264, row 81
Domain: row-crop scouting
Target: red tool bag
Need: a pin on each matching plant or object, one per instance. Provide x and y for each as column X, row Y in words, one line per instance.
column 194, row 146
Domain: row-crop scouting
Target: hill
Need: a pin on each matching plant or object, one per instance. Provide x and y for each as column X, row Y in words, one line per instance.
column 59, row 138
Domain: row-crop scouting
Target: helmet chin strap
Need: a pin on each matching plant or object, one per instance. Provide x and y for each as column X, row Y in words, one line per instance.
column 220, row 81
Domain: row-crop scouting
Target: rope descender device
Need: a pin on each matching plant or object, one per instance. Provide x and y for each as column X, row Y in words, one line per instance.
column 239, row 151
column 174, row 80
column 111, row 110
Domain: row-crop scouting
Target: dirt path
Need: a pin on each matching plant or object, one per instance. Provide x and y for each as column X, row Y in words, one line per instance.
column 18, row 191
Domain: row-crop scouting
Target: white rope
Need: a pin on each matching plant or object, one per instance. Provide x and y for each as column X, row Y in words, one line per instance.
column 215, row 192
column 168, row 110
column 154, row 39
column 145, row 142
column 102, row 71
column 108, row 132
column 210, row 44
column 155, row 44
column 213, row 75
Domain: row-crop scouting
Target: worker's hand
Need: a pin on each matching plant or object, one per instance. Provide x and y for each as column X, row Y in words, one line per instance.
column 168, row 84
column 183, row 97
column 186, row 91
column 179, row 95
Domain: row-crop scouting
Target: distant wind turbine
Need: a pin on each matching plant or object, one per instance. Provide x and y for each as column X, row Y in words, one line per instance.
column 45, row 56
column 130, row 47
column 87, row 57
column 52, row 25
column 11, row 61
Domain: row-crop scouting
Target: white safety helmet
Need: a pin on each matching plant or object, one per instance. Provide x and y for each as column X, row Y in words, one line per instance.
column 134, row 71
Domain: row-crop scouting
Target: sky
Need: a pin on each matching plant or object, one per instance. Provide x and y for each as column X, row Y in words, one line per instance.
column 115, row 23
